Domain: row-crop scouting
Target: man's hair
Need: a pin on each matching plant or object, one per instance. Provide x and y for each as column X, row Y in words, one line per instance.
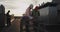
column 31, row 6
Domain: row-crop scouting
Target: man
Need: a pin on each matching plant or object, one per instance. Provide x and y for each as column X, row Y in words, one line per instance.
column 35, row 15
column 8, row 18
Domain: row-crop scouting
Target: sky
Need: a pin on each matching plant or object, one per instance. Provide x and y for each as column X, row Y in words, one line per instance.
column 18, row 7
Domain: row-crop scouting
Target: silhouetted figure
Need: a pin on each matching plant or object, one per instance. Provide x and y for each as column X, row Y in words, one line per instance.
column 2, row 17
column 8, row 18
column 24, row 22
